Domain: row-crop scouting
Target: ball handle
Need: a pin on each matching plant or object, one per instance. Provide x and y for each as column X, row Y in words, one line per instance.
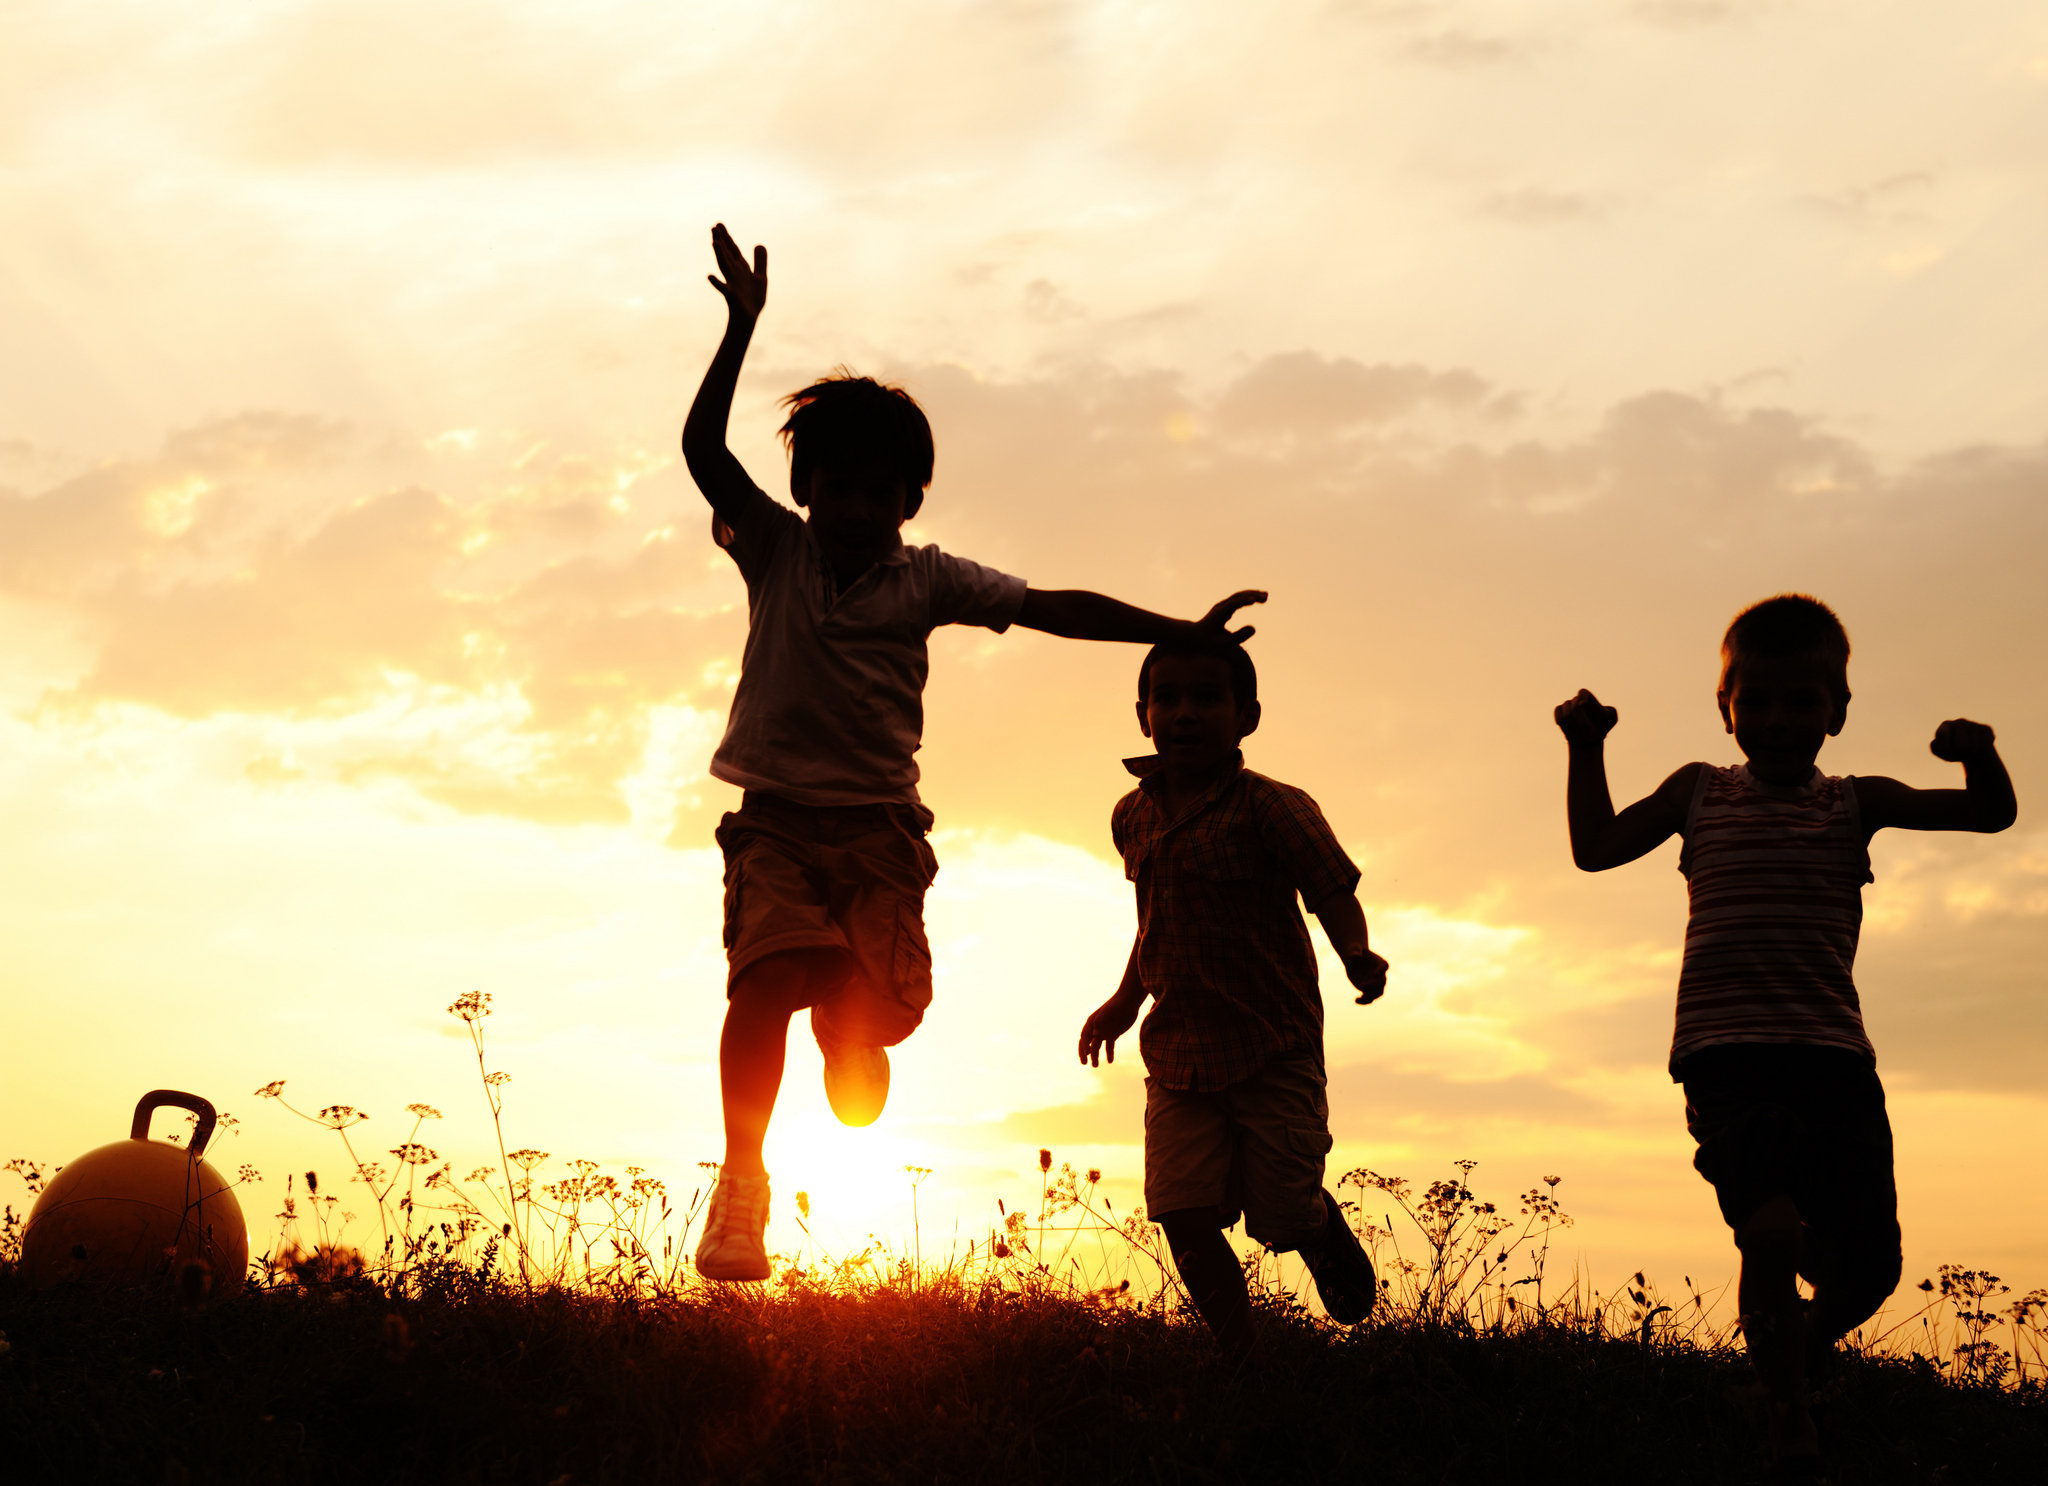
column 157, row 1099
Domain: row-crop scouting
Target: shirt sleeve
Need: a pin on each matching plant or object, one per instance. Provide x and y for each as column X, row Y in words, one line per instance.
column 751, row 536
column 1292, row 827
column 965, row 592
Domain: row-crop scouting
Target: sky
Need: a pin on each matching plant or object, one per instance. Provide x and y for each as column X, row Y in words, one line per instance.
column 362, row 643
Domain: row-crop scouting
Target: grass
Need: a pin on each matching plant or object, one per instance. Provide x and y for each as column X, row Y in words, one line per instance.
column 928, row 1382
column 507, row 1328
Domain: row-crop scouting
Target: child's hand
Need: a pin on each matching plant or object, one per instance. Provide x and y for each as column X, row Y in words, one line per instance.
column 1368, row 973
column 1961, row 741
column 745, row 289
column 1219, row 616
column 1105, row 1024
column 1584, row 720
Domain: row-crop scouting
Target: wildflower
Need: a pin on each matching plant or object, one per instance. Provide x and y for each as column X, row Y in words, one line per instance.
column 1044, row 1160
column 412, row 1153
column 248, row 1174
column 313, row 1182
column 803, row 1203
column 271, row 1090
column 423, row 1111
column 341, row 1116
column 1094, row 1175
column 527, row 1159
column 472, row 1006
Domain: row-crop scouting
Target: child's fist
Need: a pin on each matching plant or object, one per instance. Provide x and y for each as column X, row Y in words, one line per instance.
column 1584, row 720
column 1368, row 976
column 1960, row 741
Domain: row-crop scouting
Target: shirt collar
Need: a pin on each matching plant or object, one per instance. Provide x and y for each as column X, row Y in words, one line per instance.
column 1145, row 768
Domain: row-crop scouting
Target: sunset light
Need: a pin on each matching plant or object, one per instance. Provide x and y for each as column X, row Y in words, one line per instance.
column 364, row 641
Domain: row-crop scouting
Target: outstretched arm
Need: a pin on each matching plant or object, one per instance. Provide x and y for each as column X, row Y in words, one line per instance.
column 1077, row 614
column 1113, row 1018
column 1601, row 838
column 1344, row 921
column 721, row 477
column 1984, row 803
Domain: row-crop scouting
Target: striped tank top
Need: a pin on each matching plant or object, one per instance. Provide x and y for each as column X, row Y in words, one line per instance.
column 1776, row 876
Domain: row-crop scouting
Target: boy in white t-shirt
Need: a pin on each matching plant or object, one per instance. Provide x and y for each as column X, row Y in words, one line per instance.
column 826, row 859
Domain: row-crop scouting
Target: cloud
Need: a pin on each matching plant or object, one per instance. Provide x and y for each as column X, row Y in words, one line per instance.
column 1535, row 207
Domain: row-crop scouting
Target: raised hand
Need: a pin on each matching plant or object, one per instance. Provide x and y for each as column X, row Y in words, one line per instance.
column 1218, row 617
column 745, row 287
column 1959, row 740
column 1584, row 720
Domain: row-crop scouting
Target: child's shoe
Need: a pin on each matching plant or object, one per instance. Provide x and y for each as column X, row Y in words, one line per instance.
column 1344, row 1276
column 734, row 1245
column 856, row 1080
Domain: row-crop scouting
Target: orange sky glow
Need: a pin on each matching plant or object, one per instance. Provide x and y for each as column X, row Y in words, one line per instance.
column 362, row 643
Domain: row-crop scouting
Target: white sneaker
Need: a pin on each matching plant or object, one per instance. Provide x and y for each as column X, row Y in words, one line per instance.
column 734, row 1244
column 856, row 1081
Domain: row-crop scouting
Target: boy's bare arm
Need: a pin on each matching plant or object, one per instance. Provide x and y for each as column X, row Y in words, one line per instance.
column 1113, row 1018
column 1984, row 803
column 1601, row 838
column 1077, row 614
column 721, row 477
column 1344, row 921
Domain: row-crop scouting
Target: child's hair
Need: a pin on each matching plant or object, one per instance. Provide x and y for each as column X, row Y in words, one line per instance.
column 1790, row 625
column 844, row 420
column 1244, row 676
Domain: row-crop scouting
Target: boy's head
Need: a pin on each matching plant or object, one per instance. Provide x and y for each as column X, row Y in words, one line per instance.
column 860, row 457
column 1197, row 700
column 1784, row 683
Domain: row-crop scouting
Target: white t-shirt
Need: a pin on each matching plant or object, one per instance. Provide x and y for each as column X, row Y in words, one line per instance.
column 830, row 705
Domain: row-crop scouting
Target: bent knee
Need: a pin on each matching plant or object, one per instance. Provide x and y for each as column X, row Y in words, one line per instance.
column 792, row 978
column 1189, row 1225
column 1774, row 1230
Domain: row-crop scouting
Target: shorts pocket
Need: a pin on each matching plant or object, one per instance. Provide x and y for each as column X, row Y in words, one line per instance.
column 1313, row 1141
column 910, row 966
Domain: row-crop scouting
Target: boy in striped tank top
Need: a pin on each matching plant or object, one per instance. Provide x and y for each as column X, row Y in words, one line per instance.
column 1781, row 1086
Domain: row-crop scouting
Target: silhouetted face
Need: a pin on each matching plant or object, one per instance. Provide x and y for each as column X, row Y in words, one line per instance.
column 856, row 514
column 1781, row 709
column 1191, row 714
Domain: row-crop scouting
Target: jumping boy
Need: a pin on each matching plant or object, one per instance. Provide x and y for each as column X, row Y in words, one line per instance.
column 1781, row 1086
column 1236, row 1115
column 826, row 863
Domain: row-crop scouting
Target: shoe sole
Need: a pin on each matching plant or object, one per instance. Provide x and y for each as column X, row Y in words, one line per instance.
column 733, row 1275
column 1342, row 1234
column 843, row 1092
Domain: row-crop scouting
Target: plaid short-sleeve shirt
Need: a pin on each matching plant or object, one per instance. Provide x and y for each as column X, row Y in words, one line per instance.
column 1223, row 950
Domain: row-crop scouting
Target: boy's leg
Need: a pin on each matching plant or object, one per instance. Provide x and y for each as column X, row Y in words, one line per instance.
column 1282, row 1116
column 754, row 1043
column 1192, row 1191
column 750, row 1056
column 879, row 865
column 1771, row 1240
column 1852, row 1211
column 1746, row 1137
column 1215, row 1281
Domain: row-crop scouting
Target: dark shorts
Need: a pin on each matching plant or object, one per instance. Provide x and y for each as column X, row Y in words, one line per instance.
column 1809, row 1123
column 850, row 878
column 1255, row 1148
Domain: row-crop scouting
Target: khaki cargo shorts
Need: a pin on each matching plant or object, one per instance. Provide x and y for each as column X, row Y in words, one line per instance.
column 850, row 878
column 1254, row 1149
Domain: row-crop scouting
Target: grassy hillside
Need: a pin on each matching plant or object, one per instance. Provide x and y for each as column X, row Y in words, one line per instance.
column 463, row 1382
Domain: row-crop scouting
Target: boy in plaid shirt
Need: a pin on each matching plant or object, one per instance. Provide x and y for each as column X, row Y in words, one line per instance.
column 1237, row 1121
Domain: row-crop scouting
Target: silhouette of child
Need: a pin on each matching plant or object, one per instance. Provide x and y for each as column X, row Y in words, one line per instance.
column 1236, row 1116
column 1781, row 1086
column 826, row 863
